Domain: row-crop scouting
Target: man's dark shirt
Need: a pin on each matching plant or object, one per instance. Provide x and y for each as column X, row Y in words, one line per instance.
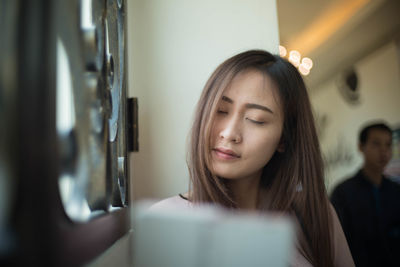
column 370, row 217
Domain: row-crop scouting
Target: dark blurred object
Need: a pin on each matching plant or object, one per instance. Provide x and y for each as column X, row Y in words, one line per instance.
column 8, row 115
column 348, row 86
column 64, row 173
column 133, row 124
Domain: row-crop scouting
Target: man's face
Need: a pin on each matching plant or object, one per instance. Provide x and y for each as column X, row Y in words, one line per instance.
column 377, row 150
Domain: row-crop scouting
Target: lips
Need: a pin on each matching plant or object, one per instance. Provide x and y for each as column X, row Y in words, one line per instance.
column 224, row 153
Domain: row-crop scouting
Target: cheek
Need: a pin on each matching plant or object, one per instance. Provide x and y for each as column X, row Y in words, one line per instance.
column 264, row 146
column 388, row 155
column 213, row 135
column 215, row 131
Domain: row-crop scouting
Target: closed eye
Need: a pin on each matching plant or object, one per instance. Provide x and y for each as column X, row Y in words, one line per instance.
column 256, row 122
column 222, row 111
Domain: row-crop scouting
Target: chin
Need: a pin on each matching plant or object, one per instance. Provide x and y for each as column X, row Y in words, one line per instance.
column 380, row 167
column 225, row 175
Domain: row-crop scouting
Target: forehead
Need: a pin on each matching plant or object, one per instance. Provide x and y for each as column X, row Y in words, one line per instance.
column 252, row 85
column 379, row 135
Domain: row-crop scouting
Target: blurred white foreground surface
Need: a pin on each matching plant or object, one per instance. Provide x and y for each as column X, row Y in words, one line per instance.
column 209, row 237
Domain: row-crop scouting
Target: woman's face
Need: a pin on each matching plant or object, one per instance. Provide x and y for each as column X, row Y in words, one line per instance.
column 247, row 128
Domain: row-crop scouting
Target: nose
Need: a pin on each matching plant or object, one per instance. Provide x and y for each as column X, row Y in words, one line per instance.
column 231, row 131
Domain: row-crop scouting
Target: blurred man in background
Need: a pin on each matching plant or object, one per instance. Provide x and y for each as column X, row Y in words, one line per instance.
column 368, row 204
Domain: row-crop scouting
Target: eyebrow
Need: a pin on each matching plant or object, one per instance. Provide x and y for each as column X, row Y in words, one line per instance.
column 249, row 105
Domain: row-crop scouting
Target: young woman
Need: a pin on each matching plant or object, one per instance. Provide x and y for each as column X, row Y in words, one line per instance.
column 254, row 146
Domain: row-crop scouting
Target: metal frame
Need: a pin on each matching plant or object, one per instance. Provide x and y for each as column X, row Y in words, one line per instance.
column 42, row 232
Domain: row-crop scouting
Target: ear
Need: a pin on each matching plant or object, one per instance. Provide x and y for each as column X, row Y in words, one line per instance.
column 281, row 147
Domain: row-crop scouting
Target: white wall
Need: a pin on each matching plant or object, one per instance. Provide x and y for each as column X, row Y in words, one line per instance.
column 174, row 45
column 379, row 83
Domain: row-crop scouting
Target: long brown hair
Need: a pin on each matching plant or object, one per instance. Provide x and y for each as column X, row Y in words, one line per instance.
column 293, row 180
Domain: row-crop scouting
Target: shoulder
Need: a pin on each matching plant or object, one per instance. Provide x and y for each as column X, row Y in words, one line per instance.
column 347, row 184
column 175, row 202
column 391, row 187
column 391, row 183
column 344, row 193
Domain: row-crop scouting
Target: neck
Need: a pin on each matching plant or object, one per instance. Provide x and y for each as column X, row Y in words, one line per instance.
column 245, row 192
column 373, row 175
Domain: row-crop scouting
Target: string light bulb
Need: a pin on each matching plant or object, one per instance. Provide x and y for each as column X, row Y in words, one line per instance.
column 307, row 63
column 304, row 64
column 294, row 57
column 282, row 51
column 303, row 70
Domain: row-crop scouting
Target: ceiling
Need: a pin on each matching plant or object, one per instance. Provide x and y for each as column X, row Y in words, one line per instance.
column 335, row 34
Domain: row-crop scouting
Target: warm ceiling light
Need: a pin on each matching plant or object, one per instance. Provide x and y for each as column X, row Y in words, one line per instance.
column 282, row 51
column 304, row 65
column 303, row 70
column 307, row 63
column 294, row 57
